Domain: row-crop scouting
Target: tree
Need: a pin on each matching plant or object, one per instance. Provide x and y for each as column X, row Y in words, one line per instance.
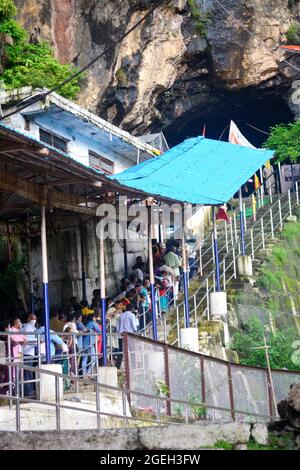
column 32, row 64
column 281, row 346
column 7, row 9
column 285, row 140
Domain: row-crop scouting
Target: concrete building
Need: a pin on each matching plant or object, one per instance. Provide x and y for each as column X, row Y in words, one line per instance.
column 72, row 241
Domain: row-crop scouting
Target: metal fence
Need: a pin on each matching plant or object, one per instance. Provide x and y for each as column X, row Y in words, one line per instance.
column 216, row 390
column 274, row 210
column 58, row 412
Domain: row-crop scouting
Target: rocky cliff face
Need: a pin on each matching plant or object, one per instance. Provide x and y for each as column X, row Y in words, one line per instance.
column 166, row 74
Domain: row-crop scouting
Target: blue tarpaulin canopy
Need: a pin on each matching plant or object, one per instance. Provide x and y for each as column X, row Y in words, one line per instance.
column 197, row 171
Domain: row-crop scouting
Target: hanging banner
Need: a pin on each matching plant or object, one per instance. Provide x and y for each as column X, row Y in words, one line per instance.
column 236, row 137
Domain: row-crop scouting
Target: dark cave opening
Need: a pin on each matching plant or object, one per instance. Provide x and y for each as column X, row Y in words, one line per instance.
column 255, row 108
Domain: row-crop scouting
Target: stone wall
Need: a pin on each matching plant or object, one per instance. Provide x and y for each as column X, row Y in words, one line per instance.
column 169, row 437
column 64, row 260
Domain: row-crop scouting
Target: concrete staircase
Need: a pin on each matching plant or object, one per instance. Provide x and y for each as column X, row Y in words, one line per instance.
column 260, row 237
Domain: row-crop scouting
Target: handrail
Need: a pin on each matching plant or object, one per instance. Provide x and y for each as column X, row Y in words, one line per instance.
column 126, row 394
column 234, row 250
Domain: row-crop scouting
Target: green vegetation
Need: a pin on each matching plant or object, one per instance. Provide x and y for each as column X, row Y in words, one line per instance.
column 197, row 410
column 223, row 445
column 122, row 77
column 285, row 140
column 291, row 3
column 7, row 9
column 293, row 34
column 201, row 18
column 162, row 389
column 31, row 64
column 280, row 352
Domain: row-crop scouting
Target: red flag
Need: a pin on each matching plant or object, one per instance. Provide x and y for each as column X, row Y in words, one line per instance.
column 222, row 215
column 204, row 130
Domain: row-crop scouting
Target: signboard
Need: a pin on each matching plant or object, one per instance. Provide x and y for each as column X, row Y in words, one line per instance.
column 287, row 176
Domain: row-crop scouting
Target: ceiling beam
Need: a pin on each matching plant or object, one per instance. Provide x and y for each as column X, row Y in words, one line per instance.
column 42, row 195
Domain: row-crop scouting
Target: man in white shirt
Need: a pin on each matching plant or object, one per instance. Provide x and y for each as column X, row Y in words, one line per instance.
column 126, row 324
column 29, row 354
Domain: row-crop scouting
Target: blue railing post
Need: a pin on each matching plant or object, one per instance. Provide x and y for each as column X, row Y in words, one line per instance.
column 151, row 275
column 45, row 284
column 185, row 278
column 243, row 250
column 216, row 251
column 103, row 299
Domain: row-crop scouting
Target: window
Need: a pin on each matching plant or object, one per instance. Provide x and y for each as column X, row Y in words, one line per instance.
column 27, row 124
column 101, row 163
column 53, row 140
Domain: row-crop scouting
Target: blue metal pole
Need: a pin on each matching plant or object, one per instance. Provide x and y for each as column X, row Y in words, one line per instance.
column 216, row 252
column 47, row 323
column 45, row 285
column 103, row 301
column 185, row 278
column 243, row 250
column 153, row 311
column 151, row 275
column 104, row 337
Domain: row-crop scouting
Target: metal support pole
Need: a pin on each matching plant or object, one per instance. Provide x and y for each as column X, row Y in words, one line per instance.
column 200, row 260
column 207, row 298
column 83, row 274
column 252, row 244
column 280, row 214
column 272, row 224
column 178, row 326
column 45, row 284
column 226, row 237
column 125, row 258
column 290, row 202
column 242, row 224
column 57, row 403
column 262, row 233
column 151, row 276
column 103, row 301
column 231, row 233
column 261, row 186
column 216, row 252
column 224, row 274
column 185, row 279
column 297, row 192
column 235, row 228
column 254, row 207
column 234, row 262
column 245, row 219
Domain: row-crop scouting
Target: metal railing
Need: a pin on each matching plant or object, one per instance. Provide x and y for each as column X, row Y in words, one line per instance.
column 196, row 378
column 163, row 408
column 257, row 232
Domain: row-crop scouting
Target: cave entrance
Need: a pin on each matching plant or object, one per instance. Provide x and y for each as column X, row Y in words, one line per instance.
column 247, row 108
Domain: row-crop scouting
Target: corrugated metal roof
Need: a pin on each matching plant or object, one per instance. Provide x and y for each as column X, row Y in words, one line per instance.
column 197, row 171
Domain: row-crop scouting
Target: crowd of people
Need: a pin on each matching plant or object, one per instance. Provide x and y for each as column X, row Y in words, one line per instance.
column 76, row 333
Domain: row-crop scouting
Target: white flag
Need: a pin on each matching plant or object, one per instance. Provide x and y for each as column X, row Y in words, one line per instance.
column 236, row 137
